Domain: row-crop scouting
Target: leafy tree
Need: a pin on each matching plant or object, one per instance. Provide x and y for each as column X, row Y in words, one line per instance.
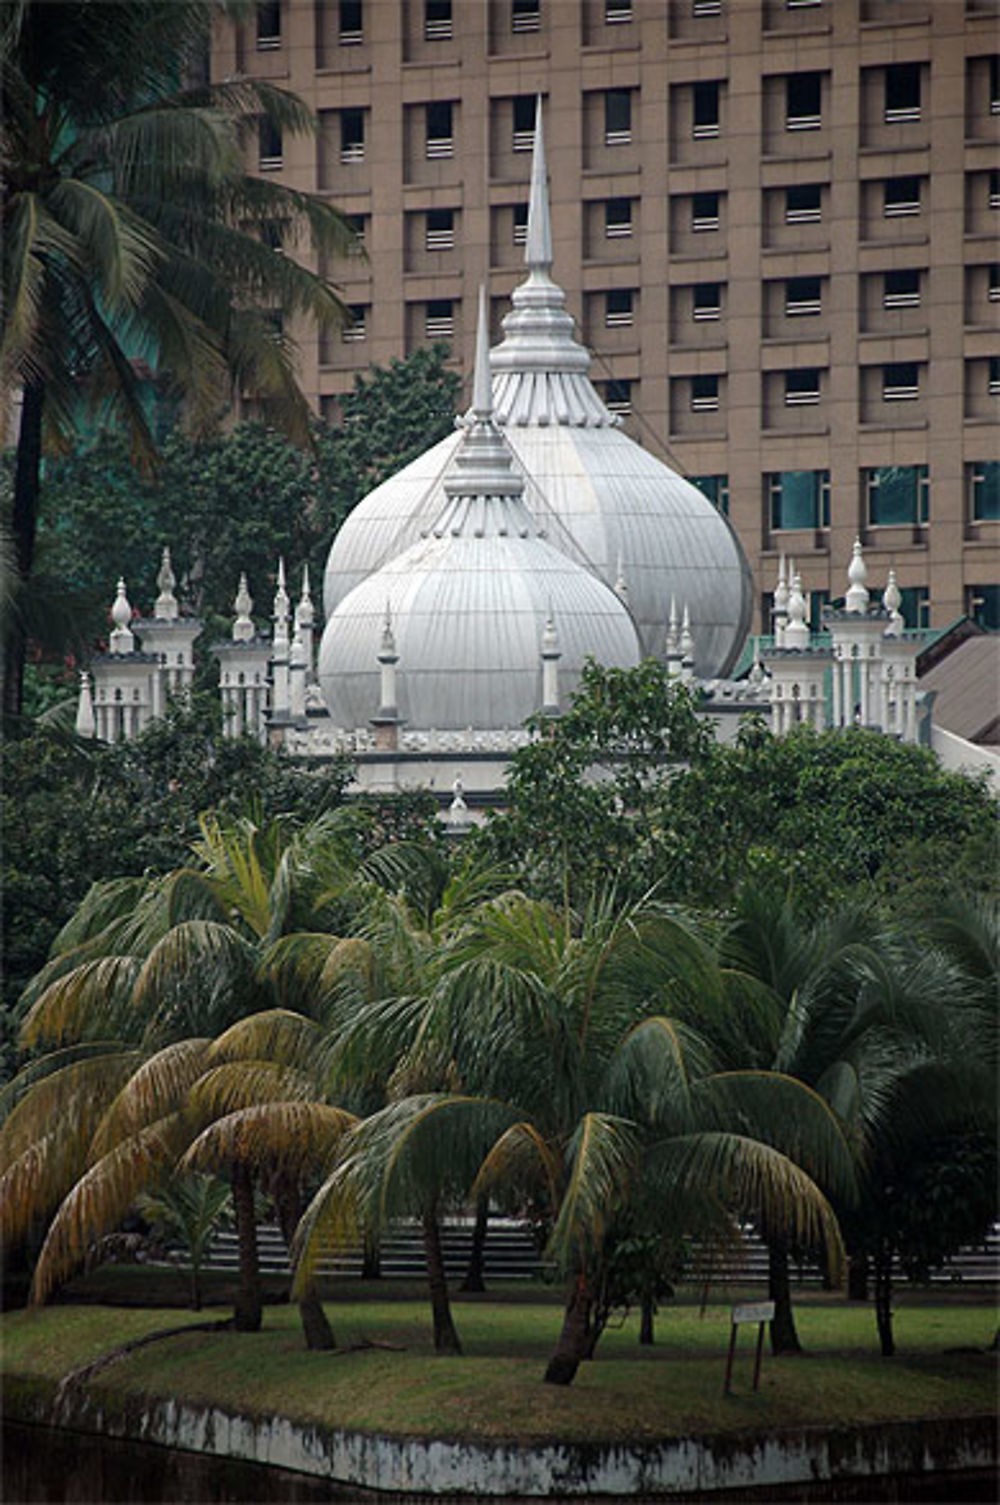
column 131, row 231
column 189, row 1209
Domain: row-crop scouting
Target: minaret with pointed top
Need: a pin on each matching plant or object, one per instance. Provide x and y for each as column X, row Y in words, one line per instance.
column 166, row 608
column 857, row 597
column 856, row 632
column 673, row 653
column 170, row 638
column 796, row 634
column 124, row 679
column 387, row 720
column 305, row 619
column 280, row 650
column 243, row 628
column 898, row 683
column 687, row 646
column 780, row 604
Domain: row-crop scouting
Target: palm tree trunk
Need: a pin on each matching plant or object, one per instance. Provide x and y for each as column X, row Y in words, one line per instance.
column 315, row 1328
column 477, row 1254
column 24, row 526
column 883, row 1301
column 857, row 1277
column 446, row 1338
column 784, row 1338
column 371, row 1258
column 248, row 1307
column 646, row 1314
column 574, row 1339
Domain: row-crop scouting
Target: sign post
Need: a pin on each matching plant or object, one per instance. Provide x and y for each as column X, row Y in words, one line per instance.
column 760, row 1312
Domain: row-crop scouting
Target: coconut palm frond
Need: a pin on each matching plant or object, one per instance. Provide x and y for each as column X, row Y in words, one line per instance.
column 784, row 1112
column 34, row 1183
column 520, row 1157
column 101, row 1197
column 602, row 1162
column 106, row 901
column 91, row 1000
column 652, row 1070
column 157, row 1088
column 76, row 1094
column 754, row 1180
column 286, row 1138
column 116, row 243
column 244, row 1084
column 275, row 1035
column 199, row 970
column 334, row 1217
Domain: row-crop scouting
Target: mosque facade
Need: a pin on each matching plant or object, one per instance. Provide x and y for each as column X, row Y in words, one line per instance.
column 468, row 591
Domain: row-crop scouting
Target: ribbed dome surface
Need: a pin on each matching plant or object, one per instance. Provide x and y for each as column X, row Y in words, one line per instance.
column 604, row 501
column 468, row 604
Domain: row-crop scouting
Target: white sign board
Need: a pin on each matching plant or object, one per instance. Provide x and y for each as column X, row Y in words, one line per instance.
column 754, row 1311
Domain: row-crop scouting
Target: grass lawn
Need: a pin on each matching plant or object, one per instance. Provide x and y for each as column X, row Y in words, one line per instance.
column 495, row 1391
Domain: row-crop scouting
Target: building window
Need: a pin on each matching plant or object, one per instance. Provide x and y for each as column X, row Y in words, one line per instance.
column 617, row 12
column 440, row 142
column 902, row 93
column 618, row 397
column 994, row 376
column 818, row 602
column 272, row 234
column 995, row 85
column 706, row 8
column 706, row 110
column 802, row 387
column 268, row 25
column 804, row 204
column 707, row 301
column 705, row 211
column 984, row 605
column 439, row 320
column 352, row 136
column 437, row 20
column 359, row 228
column 525, row 15
column 617, row 219
column 704, row 394
column 618, row 308
column 355, row 331
column 900, row 382
column 520, row 224
column 915, row 606
column 901, row 290
column 269, row 145
column 524, row 123
column 984, row 486
column 901, row 197
column 802, row 296
column 994, row 188
column 617, row 117
column 803, row 101
column 799, row 498
column 440, row 230
column 897, row 494
column 993, row 283
column 351, row 23
column 716, row 488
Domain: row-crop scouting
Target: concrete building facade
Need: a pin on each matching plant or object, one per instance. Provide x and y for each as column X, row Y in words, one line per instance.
column 776, row 222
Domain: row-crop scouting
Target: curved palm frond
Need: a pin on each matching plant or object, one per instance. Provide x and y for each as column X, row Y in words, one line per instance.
column 602, row 1159
column 275, row 1035
column 520, row 1157
column 90, row 1001
column 285, row 1138
column 76, row 1094
column 246, row 1084
column 157, row 1088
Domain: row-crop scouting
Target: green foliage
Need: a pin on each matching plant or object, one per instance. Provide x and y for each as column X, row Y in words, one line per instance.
column 74, row 813
column 189, row 1209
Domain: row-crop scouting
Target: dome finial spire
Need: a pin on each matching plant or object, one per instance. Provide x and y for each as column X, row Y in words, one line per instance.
column 538, row 245
column 482, row 385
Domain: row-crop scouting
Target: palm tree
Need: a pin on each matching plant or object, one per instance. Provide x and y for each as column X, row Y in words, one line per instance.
column 131, row 231
column 573, row 1082
column 189, row 1208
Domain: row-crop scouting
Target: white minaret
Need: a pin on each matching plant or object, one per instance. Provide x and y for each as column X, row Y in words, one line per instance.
column 386, row 720
column 243, row 664
column 166, row 608
column 892, row 600
column 551, row 654
column 305, row 620
column 279, row 650
column 856, row 599
column 243, row 628
column 687, row 647
column 673, row 643
column 121, row 639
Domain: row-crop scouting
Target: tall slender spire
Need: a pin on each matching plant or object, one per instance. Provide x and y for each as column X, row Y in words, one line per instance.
column 538, row 244
column 482, row 385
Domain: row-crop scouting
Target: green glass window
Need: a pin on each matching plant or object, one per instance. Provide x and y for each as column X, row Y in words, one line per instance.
column 986, row 491
column 800, row 498
column 716, row 488
column 898, row 494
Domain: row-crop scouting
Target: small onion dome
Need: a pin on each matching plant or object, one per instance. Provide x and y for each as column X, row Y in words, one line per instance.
column 469, row 602
column 603, row 500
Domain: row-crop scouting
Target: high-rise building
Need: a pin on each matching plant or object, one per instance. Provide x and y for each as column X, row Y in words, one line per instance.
column 776, row 222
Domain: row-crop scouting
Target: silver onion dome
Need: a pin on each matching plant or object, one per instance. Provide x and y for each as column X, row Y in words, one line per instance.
column 469, row 602
column 605, row 501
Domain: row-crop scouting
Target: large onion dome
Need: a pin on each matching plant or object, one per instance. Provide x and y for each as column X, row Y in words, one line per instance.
column 470, row 603
column 604, row 500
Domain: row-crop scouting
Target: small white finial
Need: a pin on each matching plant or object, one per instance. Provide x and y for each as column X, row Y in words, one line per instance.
column 281, row 607
column 482, row 385
column 672, row 646
column 550, row 638
column 387, row 646
column 305, row 613
column 458, row 810
column 796, row 628
column 780, row 603
column 86, row 724
column 756, row 675
column 166, row 608
column 892, row 599
column 122, row 639
column 243, row 628
column 538, row 245
column 857, row 574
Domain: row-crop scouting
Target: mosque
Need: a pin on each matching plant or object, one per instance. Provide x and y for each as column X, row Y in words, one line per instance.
column 467, row 592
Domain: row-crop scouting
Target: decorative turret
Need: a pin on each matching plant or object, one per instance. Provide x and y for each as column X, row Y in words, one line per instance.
column 243, row 665
column 243, row 628
column 170, row 638
column 85, row 724
column 305, row 619
column 279, row 650
column 121, row 639
column 672, row 644
column 780, row 604
column 856, row 599
column 166, row 608
column 457, row 822
column 796, row 633
column 687, row 647
column 892, row 599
